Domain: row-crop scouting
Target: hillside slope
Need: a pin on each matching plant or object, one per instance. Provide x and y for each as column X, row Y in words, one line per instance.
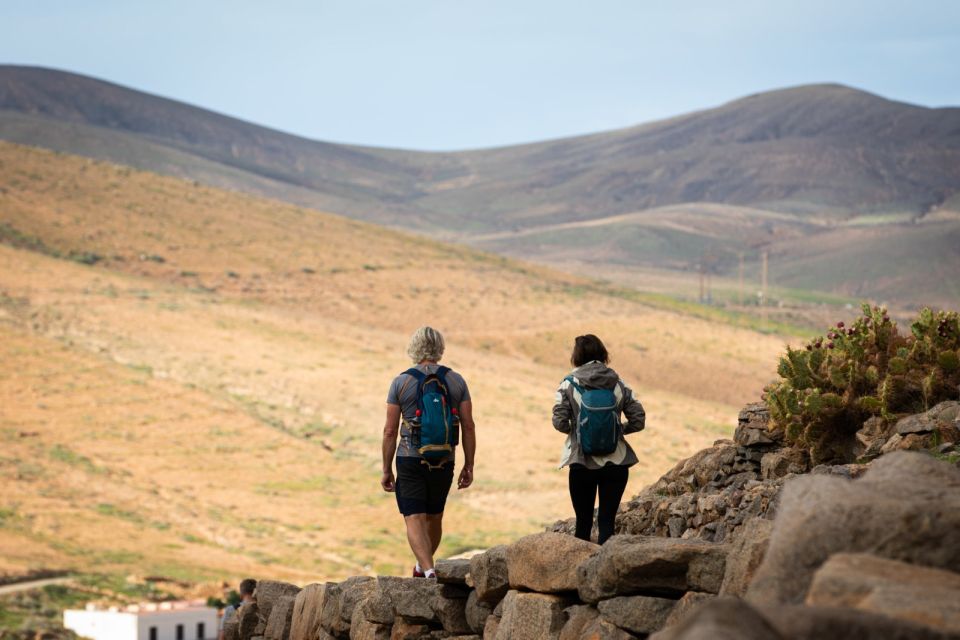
column 133, row 389
column 826, row 155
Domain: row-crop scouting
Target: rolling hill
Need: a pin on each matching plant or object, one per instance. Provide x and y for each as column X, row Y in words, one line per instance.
column 192, row 380
column 790, row 170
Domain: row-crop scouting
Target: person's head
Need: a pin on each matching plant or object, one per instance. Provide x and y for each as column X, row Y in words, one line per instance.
column 587, row 349
column 247, row 587
column 426, row 344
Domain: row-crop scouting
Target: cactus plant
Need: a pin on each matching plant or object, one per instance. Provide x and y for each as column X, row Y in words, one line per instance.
column 827, row 389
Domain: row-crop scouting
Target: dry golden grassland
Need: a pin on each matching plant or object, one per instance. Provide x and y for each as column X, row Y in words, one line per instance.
column 207, row 399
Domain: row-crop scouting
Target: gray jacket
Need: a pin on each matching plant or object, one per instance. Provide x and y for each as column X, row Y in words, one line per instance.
column 596, row 375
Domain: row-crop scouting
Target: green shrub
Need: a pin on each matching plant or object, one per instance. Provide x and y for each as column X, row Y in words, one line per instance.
column 832, row 385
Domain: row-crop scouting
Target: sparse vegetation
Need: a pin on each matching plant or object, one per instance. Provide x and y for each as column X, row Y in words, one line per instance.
column 830, row 386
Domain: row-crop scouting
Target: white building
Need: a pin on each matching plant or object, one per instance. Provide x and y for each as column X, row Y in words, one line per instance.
column 162, row 621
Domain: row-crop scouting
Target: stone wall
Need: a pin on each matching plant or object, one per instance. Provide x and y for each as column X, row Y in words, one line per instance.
column 736, row 542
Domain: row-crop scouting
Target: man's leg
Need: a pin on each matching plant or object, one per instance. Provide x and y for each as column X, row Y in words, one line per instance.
column 435, row 527
column 418, row 535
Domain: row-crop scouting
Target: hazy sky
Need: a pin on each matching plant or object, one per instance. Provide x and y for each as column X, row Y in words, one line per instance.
column 451, row 74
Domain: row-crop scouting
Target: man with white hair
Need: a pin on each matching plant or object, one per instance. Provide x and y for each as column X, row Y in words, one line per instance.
column 425, row 471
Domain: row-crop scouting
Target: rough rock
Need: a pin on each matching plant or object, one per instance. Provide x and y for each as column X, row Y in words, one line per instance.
column 888, row 587
column 281, row 617
column 531, row 616
column 685, row 606
column 628, row 565
column 776, row 464
column 330, row 607
column 268, row 592
column 746, row 553
column 488, row 571
column 491, row 628
column 871, row 437
column 452, row 571
column 817, row 623
column 412, row 599
column 403, row 630
column 547, row 562
column 753, row 427
column 249, row 621
column 941, row 417
column 307, row 608
column 476, row 613
column 578, row 617
column 638, row 614
column 378, row 606
column 231, row 627
column 363, row 629
column 352, row 592
column 906, row 507
column 600, row 629
column 722, row 619
column 451, row 612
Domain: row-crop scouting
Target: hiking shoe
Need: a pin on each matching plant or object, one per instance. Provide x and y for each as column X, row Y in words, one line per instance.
column 418, row 574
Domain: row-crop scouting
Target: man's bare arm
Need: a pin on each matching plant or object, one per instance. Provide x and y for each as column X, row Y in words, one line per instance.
column 391, row 428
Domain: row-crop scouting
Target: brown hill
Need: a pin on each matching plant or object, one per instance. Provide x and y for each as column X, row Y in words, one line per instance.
column 210, row 389
column 827, row 156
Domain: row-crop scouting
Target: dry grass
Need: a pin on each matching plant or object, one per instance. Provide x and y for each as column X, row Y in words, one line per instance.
column 226, row 402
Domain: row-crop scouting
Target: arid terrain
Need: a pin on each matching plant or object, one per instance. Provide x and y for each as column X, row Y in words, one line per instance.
column 836, row 184
column 192, row 380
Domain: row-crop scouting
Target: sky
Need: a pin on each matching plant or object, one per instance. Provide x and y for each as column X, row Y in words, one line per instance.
column 457, row 74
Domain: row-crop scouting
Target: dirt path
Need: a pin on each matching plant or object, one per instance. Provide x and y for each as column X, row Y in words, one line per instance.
column 32, row 584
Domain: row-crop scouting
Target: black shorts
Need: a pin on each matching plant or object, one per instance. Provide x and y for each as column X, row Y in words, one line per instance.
column 421, row 489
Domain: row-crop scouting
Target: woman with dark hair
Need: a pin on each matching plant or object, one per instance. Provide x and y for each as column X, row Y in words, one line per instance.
column 588, row 409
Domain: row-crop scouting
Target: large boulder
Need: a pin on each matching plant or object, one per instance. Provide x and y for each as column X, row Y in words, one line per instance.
column 686, row 605
column 723, row 619
column 628, row 565
column 638, row 614
column 409, row 598
column 452, row 571
column 905, row 507
column 578, row 617
column 363, row 629
column 249, row 622
column 601, row 629
column 280, row 620
column 889, row 587
column 450, row 604
column 747, row 549
column 797, row 622
column 476, row 612
column 353, row 591
column 753, row 427
column 531, row 616
column 488, row 571
column 269, row 592
column 306, row 612
column 547, row 562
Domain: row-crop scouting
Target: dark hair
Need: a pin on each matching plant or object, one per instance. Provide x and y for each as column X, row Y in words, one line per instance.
column 247, row 586
column 587, row 349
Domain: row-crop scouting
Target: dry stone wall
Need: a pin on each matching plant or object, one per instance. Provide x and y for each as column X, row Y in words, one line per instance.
column 742, row 540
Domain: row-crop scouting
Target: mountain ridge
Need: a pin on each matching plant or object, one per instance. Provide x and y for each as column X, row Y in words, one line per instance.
column 823, row 155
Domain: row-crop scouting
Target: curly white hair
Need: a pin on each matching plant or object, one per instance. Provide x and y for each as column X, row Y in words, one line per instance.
column 426, row 343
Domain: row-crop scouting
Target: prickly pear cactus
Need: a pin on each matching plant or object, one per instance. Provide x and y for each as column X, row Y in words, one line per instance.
column 832, row 385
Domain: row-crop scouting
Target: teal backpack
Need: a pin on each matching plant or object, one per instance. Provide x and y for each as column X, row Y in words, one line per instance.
column 597, row 426
column 436, row 424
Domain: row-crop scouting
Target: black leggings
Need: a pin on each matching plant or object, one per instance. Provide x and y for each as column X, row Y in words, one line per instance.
column 611, row 481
